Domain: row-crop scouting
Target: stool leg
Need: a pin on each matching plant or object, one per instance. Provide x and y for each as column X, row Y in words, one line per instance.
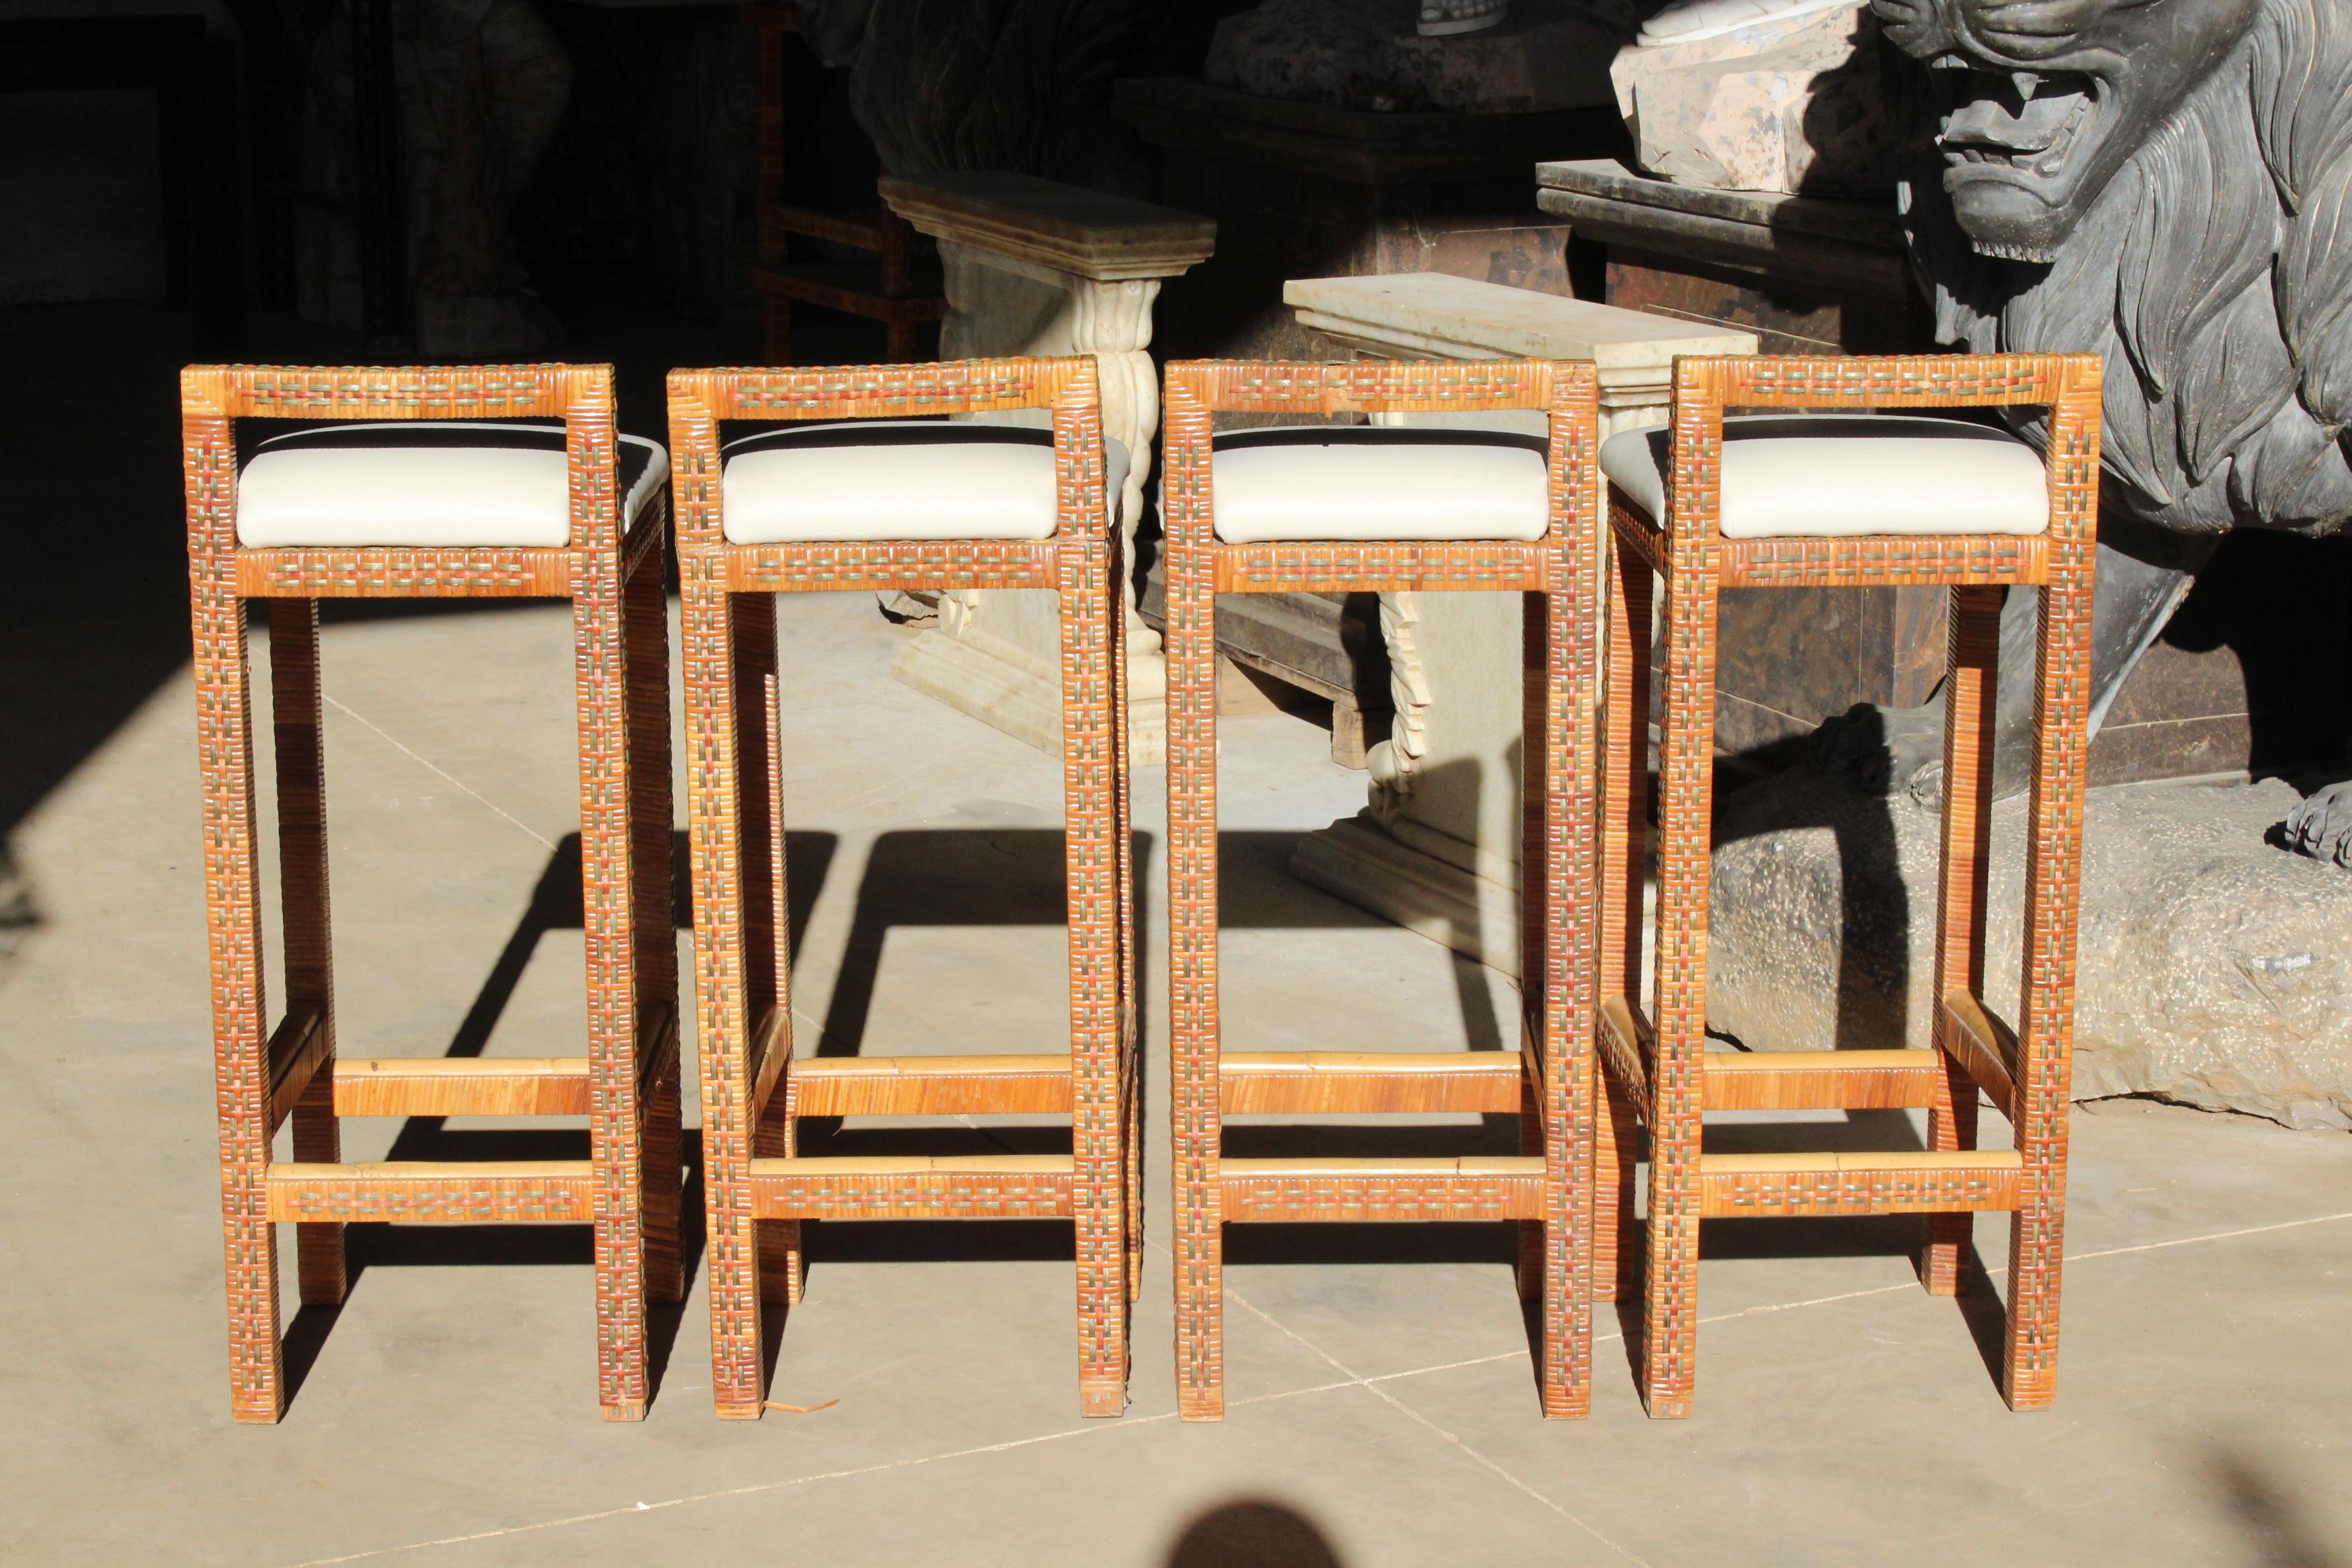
column 2046, row 1042
column 783, row 1262
column 1195, row 1111
column 1625, row 870
column 607, row 890
column 1970, row 690
column 1090, row 805
column 728, row 826
column 1131, row 1003
column 233, row 929
column 302, row 894
column 1534, row 924
column 1134, row 1179
column 783, row 1267
column 656, row 945
column 1527, row 1270
column 1670, row 1319
column 1617, row 1144
column 1625, row 778
column 1557, row 879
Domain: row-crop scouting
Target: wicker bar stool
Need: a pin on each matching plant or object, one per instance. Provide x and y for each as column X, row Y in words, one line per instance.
column 1328, row 509
column 887, row 494
column 1850, row 500
column 504, row 482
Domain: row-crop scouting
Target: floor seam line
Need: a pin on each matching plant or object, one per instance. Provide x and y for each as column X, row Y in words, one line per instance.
column 435, row 768
column 751, row 1490
column 1415, row 1417
column 1353, row 1380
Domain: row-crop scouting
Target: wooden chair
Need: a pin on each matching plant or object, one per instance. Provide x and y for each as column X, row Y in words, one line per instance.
column 896, row 287
column 1335, row 508
column 404, row 491
column 1834, row 502
column 913, row 503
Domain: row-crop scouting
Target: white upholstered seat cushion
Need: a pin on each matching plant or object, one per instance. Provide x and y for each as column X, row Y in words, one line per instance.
column 1378, row 482
column 425, row 484
column 1837, row 475
column 895, row 479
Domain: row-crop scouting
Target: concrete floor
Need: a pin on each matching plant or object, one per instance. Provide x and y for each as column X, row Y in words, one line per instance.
column 1382, row 1406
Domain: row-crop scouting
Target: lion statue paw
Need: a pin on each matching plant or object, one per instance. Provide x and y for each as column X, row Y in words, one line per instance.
column 2321, row 827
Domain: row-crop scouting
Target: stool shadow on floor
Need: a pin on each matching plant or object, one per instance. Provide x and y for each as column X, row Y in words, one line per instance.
column 2281, row 1530
column 1873, row 981
column 1870, row 994
column 554, row 906
column 932, row 878
column 1013, row 877
column 1252, row 1532
column 1873, row 976
column 1257, row 890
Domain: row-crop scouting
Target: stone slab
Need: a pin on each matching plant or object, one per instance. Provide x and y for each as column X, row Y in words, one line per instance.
column 2215, row 969
column 1869, row 224
column 1788, row 314
column 1436, row 315
column 1068, row 228
column 1358, row 145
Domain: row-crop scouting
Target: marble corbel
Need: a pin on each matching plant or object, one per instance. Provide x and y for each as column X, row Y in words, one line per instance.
column 1036, row 268
column 1436, row 848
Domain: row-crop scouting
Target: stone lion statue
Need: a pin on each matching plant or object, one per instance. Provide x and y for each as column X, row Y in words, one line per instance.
column 2168, row 182
column 942, row 84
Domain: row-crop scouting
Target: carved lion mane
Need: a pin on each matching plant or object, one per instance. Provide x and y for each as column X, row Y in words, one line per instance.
column 2214, row 270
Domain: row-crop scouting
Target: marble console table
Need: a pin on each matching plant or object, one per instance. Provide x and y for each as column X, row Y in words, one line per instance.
column 1036, row 268
column 1436, row 848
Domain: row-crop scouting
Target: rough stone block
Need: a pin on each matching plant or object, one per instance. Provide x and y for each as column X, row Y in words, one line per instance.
column 2214, row 969
column 1790, row 104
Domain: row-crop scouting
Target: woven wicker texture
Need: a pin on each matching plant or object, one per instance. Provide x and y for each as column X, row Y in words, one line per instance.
column 1551, row 1188
column 1662, row 1075
column 629, row 1188
column 757, row 1188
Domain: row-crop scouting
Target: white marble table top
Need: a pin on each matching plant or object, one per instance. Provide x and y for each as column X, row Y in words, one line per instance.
column 1068, row 228
column 1436, row 314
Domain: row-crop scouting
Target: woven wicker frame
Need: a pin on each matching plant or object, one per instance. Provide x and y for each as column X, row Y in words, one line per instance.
column 1550, row 1084
column 757, row 1189
column 1664, row 1077
column 627, row 1083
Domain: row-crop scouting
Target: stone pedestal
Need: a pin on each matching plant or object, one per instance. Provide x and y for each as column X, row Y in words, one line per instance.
column 1436, row 847
column 1035, row 267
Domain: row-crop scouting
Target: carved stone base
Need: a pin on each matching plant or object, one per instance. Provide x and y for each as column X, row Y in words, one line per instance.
column 1035, row 267
column 1429, row 882
column 1005, row 685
